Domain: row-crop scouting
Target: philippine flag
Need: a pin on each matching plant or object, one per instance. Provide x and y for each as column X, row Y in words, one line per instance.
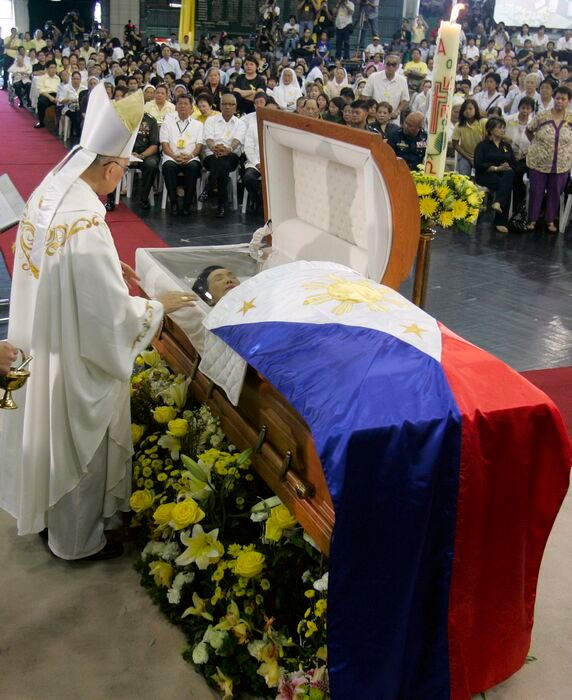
column 446, row 469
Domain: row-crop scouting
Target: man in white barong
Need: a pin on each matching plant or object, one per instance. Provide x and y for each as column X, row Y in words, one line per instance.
column 65, row 454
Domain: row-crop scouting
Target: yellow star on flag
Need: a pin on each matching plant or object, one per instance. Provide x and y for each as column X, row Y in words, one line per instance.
column 245, row 308
column 414, row 328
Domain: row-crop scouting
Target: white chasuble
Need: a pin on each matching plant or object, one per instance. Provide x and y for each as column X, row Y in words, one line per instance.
column 71, row 310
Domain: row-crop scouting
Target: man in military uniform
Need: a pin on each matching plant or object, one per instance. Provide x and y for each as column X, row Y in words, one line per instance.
column 410, row 142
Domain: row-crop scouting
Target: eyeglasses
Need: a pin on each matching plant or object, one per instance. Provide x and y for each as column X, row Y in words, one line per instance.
column 392, row 65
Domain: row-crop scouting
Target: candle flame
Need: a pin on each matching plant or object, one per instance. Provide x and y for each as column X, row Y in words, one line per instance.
column 456, row 11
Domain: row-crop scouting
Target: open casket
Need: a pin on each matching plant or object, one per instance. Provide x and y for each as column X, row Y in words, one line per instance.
column 333, row 194
column 454, row 467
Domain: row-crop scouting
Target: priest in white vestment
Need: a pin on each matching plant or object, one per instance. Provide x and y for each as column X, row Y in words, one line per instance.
column 65, row 454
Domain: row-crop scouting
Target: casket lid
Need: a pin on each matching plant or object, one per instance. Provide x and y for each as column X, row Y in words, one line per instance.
column 338, row 194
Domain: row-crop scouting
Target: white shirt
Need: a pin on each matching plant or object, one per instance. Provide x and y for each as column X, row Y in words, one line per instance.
column 485, row 102
column 223, row 132
column 291, row 28
column 170, row 65
column 503, row 71
column 516, row 133
column 564, row 44
column 118, row 53
column 181, row 135
column 518, row 97
column 474, row 80
column 251, row 146
column 382, row 89
column 21, row 73
column 539, row 42
column 372, row 49
column 68, row 92
column 471, row 53
column 345, row 15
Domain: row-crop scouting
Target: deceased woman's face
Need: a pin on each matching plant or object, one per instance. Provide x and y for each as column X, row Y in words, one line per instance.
column 220, row 282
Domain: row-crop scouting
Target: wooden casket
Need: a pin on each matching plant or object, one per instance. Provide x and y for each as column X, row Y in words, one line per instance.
column 332, row 193
column 450, row 470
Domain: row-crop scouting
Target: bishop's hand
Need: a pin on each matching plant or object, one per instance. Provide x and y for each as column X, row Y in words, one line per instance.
column 173, row 301
column 130, row 277
column 8, row 355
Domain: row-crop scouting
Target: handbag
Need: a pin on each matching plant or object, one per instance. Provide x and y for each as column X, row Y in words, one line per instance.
column 519, row 220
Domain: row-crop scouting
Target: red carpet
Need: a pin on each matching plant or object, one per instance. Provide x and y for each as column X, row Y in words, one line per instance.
column 28, row 154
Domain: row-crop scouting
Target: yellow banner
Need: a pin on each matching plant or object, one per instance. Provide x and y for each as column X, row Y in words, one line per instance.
column 187, row 21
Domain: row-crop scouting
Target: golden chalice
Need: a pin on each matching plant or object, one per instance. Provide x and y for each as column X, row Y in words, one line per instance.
column 14, row 379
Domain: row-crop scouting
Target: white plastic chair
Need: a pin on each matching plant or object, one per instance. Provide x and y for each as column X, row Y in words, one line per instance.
column 64, row 128
column 166, row 194
column 232, row 183
column 244, row 201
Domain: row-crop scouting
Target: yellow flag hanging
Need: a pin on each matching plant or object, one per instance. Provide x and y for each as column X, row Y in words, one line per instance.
column 187, row 21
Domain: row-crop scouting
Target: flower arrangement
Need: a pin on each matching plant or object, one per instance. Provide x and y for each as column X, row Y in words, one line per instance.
column 451, row 202
column 223, row 558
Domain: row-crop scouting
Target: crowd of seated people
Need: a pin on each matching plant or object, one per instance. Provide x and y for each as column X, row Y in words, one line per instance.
column 201, row 101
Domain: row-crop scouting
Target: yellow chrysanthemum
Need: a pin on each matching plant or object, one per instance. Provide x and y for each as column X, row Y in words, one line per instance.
column 446, row 219
column 443, row 192
column 427, row 206
column 459, row 209
column 473, row 216
column 423, row 189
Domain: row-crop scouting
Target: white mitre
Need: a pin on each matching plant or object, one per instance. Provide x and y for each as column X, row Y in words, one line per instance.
column 110, row 129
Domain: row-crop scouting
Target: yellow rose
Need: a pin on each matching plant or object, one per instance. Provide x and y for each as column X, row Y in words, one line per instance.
column 283, row 517
column 141, row 500
column 178, row 428
column 186, row 513
column 163, row 514
column 136, row 432
column 249, row 564
column 280, row 519
column 164, row 414
column 162, row 572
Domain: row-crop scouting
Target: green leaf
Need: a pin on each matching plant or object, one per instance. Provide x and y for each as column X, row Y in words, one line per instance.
column 244, row 456
column 196, row 470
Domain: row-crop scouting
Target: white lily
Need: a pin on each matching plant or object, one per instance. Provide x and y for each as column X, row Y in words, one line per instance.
column 203, row 548
column 170, row 443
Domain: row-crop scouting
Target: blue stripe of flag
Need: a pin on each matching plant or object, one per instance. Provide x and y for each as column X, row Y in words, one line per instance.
column 388, row 433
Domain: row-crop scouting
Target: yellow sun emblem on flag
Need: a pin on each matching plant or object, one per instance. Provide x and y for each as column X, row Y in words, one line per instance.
column 348, row 293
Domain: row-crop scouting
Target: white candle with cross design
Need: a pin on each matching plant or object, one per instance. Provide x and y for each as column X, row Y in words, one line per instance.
column 442, row 90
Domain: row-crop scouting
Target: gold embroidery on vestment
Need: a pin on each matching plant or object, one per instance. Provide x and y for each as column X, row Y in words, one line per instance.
column 59, row 235
column 26, row 239
column 147, row 323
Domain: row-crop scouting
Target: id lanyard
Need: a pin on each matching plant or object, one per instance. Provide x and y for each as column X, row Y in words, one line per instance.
column 181, row 143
